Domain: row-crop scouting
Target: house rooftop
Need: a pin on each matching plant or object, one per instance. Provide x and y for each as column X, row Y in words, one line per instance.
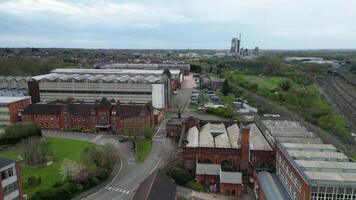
column 5, row 162
column 213, row 136
column 113, row 71
column 4, row 100
column 257, row 140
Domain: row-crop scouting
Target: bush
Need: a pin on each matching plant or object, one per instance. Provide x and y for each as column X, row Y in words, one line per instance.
column 220, row 111
column 33, row 181
column 181, row 176
column 14, row 133
column 194, row 186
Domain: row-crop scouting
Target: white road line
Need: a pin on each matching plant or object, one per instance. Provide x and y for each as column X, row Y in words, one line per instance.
column 127, row 192
column 97, row 138
column 109, row 188
column 124, row 191
column 120, row 190
column 117, row 190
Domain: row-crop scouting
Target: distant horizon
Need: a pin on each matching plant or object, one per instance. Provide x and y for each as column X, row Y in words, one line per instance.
column 180, row 49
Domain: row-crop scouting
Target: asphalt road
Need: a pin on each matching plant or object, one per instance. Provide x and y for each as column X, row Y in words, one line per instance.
column 131, row 174
column 125, row 183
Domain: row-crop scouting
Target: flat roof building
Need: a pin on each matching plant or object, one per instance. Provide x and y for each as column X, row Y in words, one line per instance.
column 315, row 171
column 279, row 130
column 10, row 179
column 11, row 108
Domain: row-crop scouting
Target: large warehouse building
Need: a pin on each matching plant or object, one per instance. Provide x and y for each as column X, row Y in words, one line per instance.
column 183, row 67
column 136, row 86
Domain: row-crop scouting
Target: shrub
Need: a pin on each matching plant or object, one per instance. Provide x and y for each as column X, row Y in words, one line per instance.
column 14, row 133
column 33, row 181
column 181, row 176
column 194, row 186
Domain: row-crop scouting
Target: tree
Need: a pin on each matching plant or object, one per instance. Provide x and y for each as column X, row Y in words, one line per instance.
column 226, row 87
column 100, row 159
column 180, row 102
column 181, row 176
column 33, row 150
column 73, row 171
column 147, row 131
column 14, row 133
column 195, row 68
column 285, row 85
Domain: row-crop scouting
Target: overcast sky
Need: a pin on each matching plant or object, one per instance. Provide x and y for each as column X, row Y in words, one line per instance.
column 182, row 24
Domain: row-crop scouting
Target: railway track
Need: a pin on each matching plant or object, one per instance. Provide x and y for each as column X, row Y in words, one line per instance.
column 342, row 99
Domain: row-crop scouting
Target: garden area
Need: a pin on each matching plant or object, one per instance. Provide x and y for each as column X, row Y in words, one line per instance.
column 60, row 149
column 56, row 168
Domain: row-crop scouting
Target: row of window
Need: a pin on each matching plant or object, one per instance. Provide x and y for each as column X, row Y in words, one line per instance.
column 286, row 184
column 330, row 196
column 9, row 172
column 96, row 92
column 289, row 172
column 46, row 117
column 10, row 188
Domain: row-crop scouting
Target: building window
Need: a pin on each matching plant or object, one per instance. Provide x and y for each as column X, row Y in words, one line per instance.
column 10, row 188
column 7, row 173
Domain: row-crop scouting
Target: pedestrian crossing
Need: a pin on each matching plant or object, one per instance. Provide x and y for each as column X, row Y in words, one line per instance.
column 159, row 138
column 122, row 191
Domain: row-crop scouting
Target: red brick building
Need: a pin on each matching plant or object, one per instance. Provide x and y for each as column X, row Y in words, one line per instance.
column 104, row 115
column 218, row 181
column 10, row 180
column 223, row 144
column 11, row 109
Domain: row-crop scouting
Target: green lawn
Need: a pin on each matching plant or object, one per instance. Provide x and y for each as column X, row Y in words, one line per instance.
column 143, row 148
column 60, row 149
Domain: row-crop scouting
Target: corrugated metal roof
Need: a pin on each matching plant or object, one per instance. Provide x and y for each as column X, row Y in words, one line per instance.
column 193, row 137
column 231, row 177
column 208, row 169
column 205, row 137
column 271, row 186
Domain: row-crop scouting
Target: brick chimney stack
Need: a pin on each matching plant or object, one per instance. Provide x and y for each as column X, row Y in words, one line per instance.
column 245, row 151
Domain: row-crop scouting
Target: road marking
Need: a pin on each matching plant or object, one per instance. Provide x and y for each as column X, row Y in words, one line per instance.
column 120, row 190
column 97, row 138
column 117, row 190
column 127, row 192
column 109, row 188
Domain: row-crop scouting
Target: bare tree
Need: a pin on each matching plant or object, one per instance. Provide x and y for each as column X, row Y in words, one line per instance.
column 33, row 150
column 180, row 102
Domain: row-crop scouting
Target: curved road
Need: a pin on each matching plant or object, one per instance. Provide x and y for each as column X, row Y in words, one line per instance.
column 124, row 185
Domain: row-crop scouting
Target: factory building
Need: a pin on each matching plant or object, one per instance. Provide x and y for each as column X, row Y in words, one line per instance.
column 235, row 46
column 215, row 150
column 182, row 67
column 135, row 86
column 279, row 130
column 315, row 171
column 11, row 109
column 14, row 83
column 307, row 168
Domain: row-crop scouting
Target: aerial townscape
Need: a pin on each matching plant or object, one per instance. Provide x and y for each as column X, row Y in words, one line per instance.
column 142, row 111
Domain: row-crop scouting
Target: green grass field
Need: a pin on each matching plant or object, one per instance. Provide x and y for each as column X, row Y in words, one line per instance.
column 60, row 149
column 143, row 149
